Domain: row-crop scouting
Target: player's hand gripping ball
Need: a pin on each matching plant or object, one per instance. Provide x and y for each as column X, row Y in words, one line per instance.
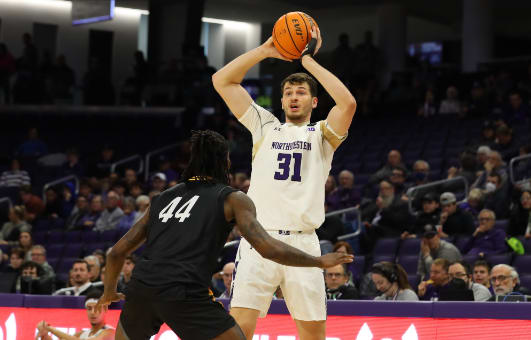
column 291, row 34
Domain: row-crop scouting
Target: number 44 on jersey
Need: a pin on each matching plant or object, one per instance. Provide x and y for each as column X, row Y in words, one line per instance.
column 184, row 210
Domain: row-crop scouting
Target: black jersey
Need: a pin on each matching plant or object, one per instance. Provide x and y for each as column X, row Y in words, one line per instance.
column 185, row 234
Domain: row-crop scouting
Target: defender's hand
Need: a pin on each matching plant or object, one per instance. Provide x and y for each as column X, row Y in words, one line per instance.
column 333, row 259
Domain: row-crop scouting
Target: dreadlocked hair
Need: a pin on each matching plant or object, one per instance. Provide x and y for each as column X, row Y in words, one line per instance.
column 209, row 158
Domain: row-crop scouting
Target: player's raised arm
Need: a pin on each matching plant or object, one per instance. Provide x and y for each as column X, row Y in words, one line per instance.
column 341, row 115
column 116, row 258
column 239, row 206
column 227, row 81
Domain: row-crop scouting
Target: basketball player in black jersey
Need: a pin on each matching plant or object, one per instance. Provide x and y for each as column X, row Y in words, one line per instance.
column 185, row 229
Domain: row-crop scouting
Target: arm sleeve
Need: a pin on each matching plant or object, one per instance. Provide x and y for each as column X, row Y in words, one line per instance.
column 331, row 136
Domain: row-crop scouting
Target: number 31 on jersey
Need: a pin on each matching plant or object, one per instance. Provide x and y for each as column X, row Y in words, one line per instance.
column 184, row 210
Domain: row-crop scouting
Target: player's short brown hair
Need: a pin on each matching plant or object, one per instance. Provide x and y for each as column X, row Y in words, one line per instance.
column 300, row 78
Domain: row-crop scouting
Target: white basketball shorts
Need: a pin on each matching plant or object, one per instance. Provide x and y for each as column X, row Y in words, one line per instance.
column 256, row 279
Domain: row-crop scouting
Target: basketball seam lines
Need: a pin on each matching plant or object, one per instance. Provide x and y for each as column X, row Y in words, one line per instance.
column 279, row 45
column 293, row 41
column 308, row 37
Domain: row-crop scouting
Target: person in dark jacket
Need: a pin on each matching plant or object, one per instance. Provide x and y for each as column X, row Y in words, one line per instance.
column 337, row 286
column 454, row 221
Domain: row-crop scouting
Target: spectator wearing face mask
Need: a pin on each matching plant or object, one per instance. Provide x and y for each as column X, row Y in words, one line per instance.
column 497, row 196
column 460, row 270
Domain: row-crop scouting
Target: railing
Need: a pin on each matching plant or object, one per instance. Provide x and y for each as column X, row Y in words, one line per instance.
column 156, row 152
column 7, row 200
column 59, row 181
column 127, row 160
column 511, row 169
column 344, row 213
column 413, row 191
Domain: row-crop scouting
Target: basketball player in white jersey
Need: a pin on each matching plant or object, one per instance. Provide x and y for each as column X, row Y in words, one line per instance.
column 291, row 163
column 98, row 331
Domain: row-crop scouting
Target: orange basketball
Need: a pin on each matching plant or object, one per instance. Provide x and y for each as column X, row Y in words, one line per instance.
column 291, row 33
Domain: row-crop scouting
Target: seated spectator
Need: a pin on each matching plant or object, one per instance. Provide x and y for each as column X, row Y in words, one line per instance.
column 505, row 143
column 33, row 281
column 494, row 164
column 453, row 220
column 388, row 215
column 94, row 264
column 129, row 216
column 394, row 159
column 517, row 111
column 330, row 186
column 481, row 274
column 343, row 247
column 10, row 278
column 33, row 146
column 461, row 271
column 391, row 280
column 486, row 240
column 127, row 272
column 98, row 330
column 344, row 196
column 111, row 215
column 505, row 281
column 478, row 103
column 80, row 210
column 488, row 134
column 14, row 177
column 85, row 189
column 451, row 104
column 158, row 182
column 428, row 108
column 337, row 286
column 136, row 190
column 519, row 222
column 433, row 248
column 421, row 172
column 73, row 165
column 25, row 241
column 87, row 221
column 473, row 203
column 53, row 208
column 482, row 154
column 398, row 179
column 467, row 169
column 102, row 166
column 100, row 254
column 81, row 281
column 226, row 274
column 142, row 203
column 38, row 255
column 11, row 230
column 497, row 196
column 331, row 228
column 427, row 219
column 439, row 279
column 34, row 205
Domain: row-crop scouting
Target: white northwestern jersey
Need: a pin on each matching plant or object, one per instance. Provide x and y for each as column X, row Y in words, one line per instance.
column 291, row 163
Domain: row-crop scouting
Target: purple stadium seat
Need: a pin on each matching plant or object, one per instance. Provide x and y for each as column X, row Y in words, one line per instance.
column 73, row 250
column 522, row 264
column 409, row 246
column 89, row 248
column 386, row 246
column 53, row 261
column 39, row 237
column 55, row 250
column 371, row 166
column 383, row 258
column 108, row 236
column 410, row 263
column 72, row 236
column 90, row 237
column 414, row 281
column 461, row 241
column 357, row 268
column 499, row 258
column 41, row 225
column 501, row 224
column 55, row 237
column 527, row 245
column 66, row 264
column 525, row 280
column 361, row 179
column 470, row 259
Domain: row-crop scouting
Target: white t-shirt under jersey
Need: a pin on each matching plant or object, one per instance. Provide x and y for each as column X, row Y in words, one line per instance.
column 289, row 170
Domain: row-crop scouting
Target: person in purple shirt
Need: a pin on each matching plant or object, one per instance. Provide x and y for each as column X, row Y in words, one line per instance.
column 344, row 196
column 88, row 221
column 486, row 239
column 439, row 280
